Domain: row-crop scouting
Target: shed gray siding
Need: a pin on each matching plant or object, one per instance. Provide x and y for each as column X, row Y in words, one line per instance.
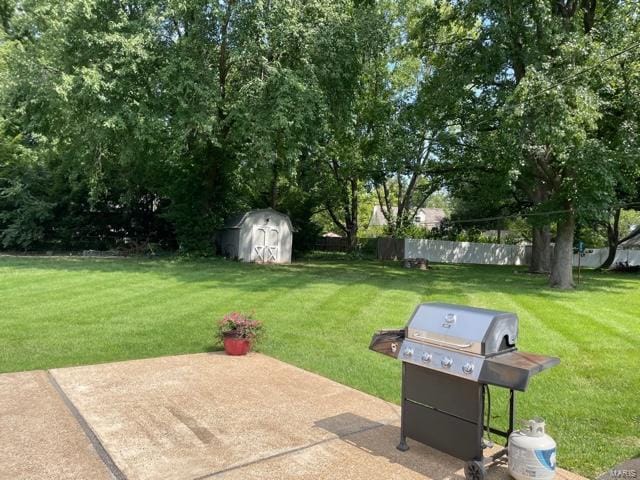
column 227, row 242
column 257, row 236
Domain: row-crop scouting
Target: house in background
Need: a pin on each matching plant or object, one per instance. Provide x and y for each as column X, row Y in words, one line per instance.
column 260, row 236
column 631, row 241
column 427, row 218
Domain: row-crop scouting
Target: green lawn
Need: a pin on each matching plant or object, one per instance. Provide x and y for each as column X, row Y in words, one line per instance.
column 320, row 316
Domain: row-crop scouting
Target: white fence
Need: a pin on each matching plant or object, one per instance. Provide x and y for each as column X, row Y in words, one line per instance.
column 441, row 251
column 594, row 257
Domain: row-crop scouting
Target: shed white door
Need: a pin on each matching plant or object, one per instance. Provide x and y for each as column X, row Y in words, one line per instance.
column 265, row 244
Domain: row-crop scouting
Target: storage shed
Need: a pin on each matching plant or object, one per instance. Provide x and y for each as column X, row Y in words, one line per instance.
column 261, row 236
column 632, row 240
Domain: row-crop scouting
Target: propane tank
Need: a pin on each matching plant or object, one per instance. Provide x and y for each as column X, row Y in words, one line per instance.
column 532, row 453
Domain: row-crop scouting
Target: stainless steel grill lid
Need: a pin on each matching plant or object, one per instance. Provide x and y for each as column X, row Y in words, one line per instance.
column 476, row 344
column 474, row 330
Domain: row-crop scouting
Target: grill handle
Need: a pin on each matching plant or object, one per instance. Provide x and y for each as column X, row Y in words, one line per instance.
column 443, row 342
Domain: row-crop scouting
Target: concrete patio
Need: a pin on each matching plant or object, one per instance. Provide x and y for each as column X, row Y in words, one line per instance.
column 204, row 416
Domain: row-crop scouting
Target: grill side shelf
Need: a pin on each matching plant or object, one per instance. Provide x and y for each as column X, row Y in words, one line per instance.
column 514, row 369
column 387, row 342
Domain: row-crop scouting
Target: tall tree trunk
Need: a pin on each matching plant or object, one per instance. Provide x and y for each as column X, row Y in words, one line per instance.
column 352, row 236
column 273, row 190
column 347, row 220
column 352, row 223
column 540, row 250
column 349, row 208
column 613, row 235
column 562, row 268
column 541, row 235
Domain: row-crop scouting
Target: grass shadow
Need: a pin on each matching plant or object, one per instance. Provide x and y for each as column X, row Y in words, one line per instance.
column 441, row 280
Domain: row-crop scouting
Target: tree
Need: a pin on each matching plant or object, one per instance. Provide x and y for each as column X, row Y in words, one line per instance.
column 520, row 69
column 155, row 120
column 391, row 146
column 619, row 129
column 161, row 118
column 353, row 51
column 25, row 208
column 407, row 174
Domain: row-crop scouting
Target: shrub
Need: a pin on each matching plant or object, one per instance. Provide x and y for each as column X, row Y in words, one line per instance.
column 239, row 325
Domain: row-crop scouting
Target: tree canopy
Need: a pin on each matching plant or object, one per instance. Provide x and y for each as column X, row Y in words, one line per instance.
column 154, row 121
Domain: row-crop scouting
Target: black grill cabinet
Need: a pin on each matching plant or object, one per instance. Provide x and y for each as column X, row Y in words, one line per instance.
column 451, row 354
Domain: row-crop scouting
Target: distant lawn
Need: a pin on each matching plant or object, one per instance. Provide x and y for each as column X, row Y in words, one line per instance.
column 320, row 315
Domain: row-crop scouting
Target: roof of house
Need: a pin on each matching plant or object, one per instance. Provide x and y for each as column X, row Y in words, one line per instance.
column 236, row 221
column 429, row 217
column 632, row 240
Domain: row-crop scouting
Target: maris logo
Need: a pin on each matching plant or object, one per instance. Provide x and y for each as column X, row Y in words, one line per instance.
column 623, row 474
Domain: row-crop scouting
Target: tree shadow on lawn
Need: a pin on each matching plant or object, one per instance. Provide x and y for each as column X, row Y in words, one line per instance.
column 442, row 280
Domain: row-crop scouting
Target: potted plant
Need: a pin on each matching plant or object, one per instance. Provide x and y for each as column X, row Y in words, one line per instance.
column 238, row 331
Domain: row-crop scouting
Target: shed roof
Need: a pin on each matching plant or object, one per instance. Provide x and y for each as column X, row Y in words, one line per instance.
column 632, row 240
column 236, row 220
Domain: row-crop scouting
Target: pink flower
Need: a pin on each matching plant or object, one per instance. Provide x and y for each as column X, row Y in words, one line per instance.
column 239, row 325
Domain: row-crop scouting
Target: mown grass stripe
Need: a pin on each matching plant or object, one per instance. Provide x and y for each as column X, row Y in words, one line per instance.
column 320, row 316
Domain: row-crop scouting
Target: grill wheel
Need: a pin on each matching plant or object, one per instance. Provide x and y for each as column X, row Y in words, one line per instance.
column 475, row 470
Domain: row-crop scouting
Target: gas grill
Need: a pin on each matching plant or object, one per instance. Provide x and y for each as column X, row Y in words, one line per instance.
column 450, row 355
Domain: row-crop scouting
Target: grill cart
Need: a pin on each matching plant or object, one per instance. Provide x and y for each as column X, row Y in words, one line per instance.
column 450, row 355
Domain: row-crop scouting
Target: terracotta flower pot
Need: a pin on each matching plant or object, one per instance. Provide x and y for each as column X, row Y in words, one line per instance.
column 236, row 346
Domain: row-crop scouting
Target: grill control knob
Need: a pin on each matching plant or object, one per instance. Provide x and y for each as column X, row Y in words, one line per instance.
column 446, row 362
column 426, row 357
column 408, row 352
column 467, row 368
